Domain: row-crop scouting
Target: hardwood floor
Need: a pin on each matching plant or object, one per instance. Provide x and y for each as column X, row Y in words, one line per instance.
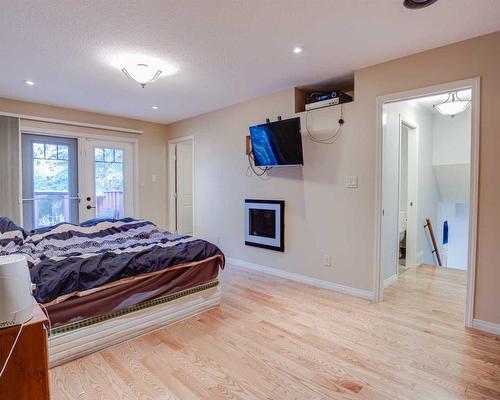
column 276, row 339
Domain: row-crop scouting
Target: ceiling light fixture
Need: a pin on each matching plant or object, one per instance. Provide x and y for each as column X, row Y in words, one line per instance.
column 155, row 107
column 452, row 106
column 297, row 50
column 143, row 74
column 417, row 4
column 29, row 83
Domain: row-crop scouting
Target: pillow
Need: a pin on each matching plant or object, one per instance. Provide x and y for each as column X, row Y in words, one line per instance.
column 10, row 232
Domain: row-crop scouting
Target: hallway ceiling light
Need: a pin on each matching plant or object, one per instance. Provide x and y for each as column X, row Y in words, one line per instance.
column 452, row 106
column 143, row 74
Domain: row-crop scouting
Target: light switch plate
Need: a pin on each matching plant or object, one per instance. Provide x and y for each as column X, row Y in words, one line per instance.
column 351, row 182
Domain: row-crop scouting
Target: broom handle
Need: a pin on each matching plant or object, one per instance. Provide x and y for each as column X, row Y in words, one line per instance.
column 435, row 250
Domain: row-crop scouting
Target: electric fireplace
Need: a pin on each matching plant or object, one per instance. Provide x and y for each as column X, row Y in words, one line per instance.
column 265, row 223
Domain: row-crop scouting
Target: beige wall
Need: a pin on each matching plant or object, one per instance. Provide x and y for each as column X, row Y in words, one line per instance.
column 152, row 149
column 322, row 217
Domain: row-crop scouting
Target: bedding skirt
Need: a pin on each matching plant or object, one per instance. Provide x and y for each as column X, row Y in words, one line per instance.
column 102, row 302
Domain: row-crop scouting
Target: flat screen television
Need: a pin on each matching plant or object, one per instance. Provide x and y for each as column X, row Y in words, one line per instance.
column 277, row 143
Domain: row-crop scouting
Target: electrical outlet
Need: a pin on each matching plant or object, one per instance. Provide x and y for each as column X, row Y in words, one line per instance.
column 327, row 262
column 217, row 239
column 351, row 182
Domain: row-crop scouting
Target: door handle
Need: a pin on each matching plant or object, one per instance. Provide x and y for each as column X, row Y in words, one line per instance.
column 89, row 207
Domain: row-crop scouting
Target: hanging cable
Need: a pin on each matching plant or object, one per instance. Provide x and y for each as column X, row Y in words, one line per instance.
column 332, row 139
column 251, row 166
column 48, row 319
column 11, row 350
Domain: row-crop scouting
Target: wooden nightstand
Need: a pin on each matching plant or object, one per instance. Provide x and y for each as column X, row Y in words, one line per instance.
column 27, row 374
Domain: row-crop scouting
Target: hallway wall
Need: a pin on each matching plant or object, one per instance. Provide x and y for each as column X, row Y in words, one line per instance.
column 451, row 151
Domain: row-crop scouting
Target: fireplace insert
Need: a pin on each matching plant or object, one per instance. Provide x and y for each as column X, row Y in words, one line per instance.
column 265, row 223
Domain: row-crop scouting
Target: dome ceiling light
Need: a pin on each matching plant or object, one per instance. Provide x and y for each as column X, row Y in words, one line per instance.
column 143, row 74
column 452, row 106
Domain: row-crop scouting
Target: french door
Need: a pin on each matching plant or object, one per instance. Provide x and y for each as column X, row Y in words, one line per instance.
column 50, row 181
column 108, row 180
column 75, row 179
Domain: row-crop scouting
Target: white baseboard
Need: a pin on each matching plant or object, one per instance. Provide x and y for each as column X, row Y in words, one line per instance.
column 389, row 281
column 486, row 326
column 364, row 294
column 420, row 258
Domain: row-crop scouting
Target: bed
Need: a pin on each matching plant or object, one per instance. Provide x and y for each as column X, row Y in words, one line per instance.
column 106, row 281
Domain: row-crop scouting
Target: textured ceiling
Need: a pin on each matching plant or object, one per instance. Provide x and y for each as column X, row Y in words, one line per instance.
column 227, row 51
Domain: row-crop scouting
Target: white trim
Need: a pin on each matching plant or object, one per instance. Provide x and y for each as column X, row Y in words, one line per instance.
column 78, row 343
column 75, row 134
column 335, row 287
column 474, row 85
column 72, row 123
column 171, row 188
column 392, row 279
column 20, row 160
column 474, row 196
column 411, row 213
column 486, row 326
column 378, row 275
column 171, row 179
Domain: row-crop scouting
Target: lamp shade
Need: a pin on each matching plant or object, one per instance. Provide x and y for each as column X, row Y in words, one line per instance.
column 142, row 73
column 452, row 106
column 16, row 301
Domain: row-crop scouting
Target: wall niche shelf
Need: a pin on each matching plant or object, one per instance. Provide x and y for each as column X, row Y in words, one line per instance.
column 301, row 93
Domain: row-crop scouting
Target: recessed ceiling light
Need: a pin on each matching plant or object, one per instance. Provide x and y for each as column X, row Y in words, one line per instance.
column 29, row 83
column 297, row 50
column 155, row 107
column 417, row 4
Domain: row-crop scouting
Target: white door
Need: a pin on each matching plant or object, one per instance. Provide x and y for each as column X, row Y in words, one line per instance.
column 107, row 180
column 184, row 187
column 412, row 228
column 390, row 193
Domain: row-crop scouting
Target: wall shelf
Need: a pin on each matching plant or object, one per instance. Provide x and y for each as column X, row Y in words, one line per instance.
column 302, row 93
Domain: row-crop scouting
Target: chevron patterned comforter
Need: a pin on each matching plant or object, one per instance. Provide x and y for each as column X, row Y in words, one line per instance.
column 67, row 258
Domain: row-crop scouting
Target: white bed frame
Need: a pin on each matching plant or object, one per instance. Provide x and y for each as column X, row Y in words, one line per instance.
column 64, row 347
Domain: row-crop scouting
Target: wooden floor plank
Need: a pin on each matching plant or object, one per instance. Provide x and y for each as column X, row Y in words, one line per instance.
column 272, row 338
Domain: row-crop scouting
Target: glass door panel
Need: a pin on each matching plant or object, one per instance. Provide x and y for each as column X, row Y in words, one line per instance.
column 50, row 181
column 110, row 180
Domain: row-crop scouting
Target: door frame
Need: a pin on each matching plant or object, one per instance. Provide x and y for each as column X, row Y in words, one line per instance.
column 474, row 85
column 171, row 181
column 89, row 144
column 73, row 170
column 410, row 126
column 81, row 136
